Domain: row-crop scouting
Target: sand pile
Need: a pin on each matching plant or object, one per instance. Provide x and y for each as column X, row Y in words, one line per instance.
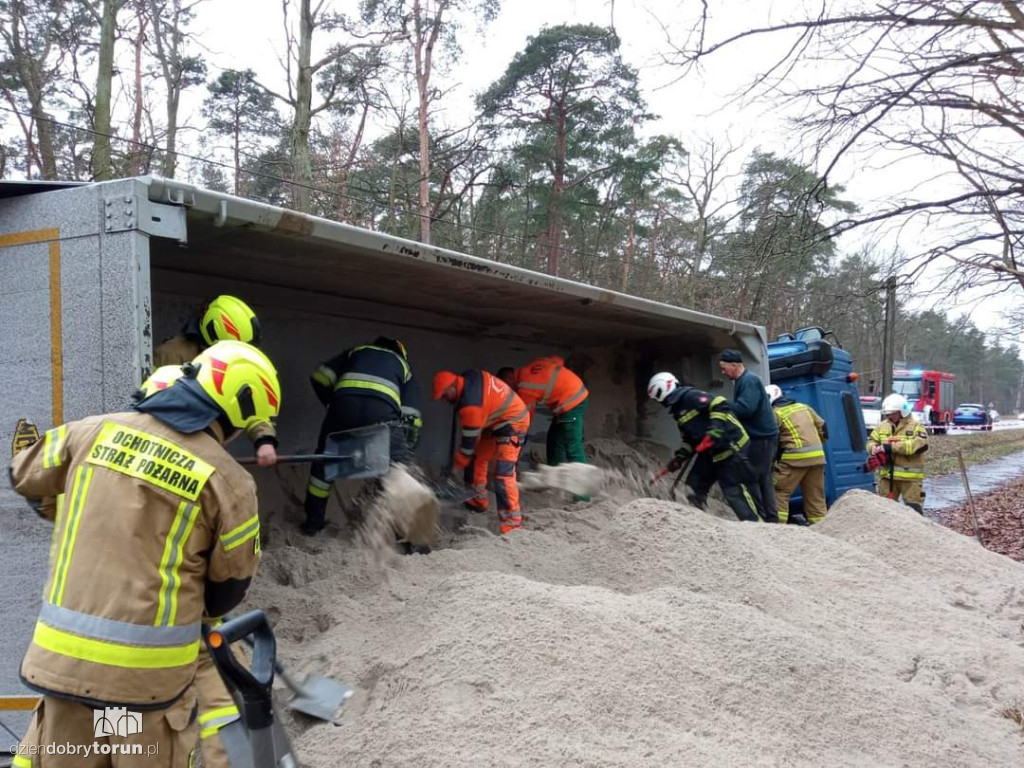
column 652, row 634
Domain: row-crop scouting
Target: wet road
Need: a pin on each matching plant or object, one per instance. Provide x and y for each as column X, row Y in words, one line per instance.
column 948, row 490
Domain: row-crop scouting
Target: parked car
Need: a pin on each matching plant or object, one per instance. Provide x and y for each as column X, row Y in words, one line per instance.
column 972, row 415
column 871, row 407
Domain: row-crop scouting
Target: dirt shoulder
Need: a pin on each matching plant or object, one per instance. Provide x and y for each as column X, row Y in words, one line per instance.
column 1000, row 519
column 977, row 449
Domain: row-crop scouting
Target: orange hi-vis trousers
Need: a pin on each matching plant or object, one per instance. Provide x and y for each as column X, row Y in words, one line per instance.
column 503, row 450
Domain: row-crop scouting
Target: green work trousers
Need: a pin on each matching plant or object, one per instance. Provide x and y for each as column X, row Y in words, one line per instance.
column 565, row 438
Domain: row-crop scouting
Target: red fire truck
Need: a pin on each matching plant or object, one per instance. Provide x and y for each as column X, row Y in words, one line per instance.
column 930, row 394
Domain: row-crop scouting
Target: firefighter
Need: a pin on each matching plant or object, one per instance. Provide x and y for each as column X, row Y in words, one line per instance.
column 800, row 459
column 899, row 443
column 494, row 423
column 156, row 528
column 226, row 318
column 546, row 381
column 364, row 385
column 709, row 429
column 750, row 405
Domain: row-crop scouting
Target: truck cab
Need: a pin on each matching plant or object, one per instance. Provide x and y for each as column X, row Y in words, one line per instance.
column 811, row 370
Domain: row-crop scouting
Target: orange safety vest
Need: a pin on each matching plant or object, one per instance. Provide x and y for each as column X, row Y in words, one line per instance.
column 486, row 403
column 547, row 381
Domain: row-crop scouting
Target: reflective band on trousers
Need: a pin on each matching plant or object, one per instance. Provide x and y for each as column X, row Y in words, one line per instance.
column 373, row 383
column 903, row 474
column 21, row 762
column 115, row 654
column 212, row 721
column 170, row 563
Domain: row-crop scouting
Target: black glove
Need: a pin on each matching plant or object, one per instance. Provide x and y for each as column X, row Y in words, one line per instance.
column 888, row 450
column 681, row 457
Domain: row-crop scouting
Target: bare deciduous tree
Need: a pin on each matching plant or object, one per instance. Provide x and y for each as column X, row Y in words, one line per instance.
column 934, row 79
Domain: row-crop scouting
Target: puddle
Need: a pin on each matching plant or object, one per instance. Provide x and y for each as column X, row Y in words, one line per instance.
column 948, row 490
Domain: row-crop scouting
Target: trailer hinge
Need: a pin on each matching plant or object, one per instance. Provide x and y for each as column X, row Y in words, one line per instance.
column 122, row 213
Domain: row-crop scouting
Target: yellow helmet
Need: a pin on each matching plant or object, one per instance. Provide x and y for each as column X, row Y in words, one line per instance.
column 241, row 380
column 160, row 379
column 229, row 318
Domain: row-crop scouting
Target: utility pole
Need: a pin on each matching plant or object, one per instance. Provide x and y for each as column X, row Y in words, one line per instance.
column 889, row 337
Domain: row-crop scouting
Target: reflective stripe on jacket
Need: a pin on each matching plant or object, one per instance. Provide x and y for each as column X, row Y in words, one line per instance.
column 148, row 519
column 699, row 414
column 486, row 403
column 909, row 441
column 801, row 434
column 548, row 382
column 364, row 370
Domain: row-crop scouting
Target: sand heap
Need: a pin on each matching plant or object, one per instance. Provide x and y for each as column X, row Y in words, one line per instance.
column 652, row 634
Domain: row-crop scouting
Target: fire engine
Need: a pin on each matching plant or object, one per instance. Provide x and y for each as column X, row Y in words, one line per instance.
column 930, row 394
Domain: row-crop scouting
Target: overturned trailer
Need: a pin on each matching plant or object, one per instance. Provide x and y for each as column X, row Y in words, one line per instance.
column 92, row 275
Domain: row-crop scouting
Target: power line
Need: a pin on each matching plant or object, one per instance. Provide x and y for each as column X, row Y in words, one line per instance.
column 636, row 264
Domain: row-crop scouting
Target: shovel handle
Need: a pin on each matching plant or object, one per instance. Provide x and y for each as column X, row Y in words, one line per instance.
column 660, row 475
column 298, row 458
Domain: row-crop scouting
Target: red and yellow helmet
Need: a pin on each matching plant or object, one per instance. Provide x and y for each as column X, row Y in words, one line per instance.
column 241, row 380
column 228, row 318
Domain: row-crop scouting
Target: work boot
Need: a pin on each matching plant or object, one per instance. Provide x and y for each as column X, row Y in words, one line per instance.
column 405, row 548
column 474, row 505
column 700, row 502
column 311, row 526
column 797, row 519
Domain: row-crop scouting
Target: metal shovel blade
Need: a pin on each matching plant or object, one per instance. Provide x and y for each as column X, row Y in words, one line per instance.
column 360, row 453
column 319, row 697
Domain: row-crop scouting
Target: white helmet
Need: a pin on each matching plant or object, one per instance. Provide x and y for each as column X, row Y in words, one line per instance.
column 774, row 392
column 894, row 403
column 661, row 386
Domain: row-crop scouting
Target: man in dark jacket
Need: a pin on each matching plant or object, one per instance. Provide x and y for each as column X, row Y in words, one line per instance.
column 368, row 384
column 754, row 410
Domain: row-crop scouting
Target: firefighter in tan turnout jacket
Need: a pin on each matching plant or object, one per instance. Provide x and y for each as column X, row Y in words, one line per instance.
column 156, row 528
column 898, row 444
column 800, row 458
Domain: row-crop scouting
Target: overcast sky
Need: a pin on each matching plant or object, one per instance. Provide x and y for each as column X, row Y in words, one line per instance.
column 249, row 34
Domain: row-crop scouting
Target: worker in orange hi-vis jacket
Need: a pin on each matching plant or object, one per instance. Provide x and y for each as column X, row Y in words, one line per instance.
column 494, row 423
column 546, row 381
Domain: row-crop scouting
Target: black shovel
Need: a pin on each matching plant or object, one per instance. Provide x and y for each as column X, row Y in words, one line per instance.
column 350, row 455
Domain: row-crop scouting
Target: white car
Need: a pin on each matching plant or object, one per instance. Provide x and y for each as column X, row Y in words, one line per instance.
column 871, row 407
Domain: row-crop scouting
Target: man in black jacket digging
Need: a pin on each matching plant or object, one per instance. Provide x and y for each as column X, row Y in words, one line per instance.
column 752, row 407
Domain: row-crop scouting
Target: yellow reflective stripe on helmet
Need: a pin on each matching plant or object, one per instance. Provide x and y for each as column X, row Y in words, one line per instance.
column 73, row 517
column 53, row 446
column 113, row 654
column 241, row 534
column 212, row 721
column 797, row 455
column 174, row 553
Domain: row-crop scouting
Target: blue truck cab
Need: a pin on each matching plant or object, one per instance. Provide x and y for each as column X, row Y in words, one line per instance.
column 812, row 371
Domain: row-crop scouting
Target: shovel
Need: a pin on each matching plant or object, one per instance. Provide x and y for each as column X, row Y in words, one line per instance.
column 316, row 695
column 352, row 455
